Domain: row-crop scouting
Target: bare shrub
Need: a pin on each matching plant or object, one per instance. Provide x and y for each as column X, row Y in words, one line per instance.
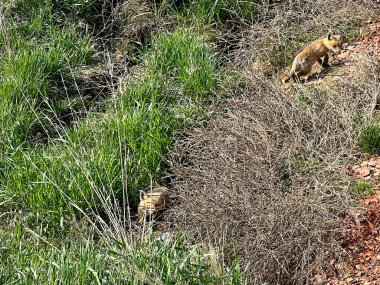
column 268, row 174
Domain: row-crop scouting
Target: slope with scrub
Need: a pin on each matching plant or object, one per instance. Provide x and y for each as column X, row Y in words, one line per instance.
column 267, row 175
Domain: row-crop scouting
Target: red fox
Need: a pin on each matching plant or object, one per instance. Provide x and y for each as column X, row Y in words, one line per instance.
column 151, row 203
column 313, row 53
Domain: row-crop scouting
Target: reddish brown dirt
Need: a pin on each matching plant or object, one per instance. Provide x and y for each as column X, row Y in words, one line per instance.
column 368, row 44
column 368, row 170
column 362, row 244
column 361, row 240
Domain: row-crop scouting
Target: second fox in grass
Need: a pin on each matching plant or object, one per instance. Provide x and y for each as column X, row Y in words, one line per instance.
column 313, row 53
column 152, row 203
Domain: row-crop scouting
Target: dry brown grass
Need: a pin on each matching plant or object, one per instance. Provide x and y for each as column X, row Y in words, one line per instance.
column 267, row 176
column 268, row 173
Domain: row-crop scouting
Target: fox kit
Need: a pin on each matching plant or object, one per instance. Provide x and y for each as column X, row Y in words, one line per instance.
column 151, row 203
column 313, row 53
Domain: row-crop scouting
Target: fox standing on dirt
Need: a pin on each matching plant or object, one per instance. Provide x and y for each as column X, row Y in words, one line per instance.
column 314, row 52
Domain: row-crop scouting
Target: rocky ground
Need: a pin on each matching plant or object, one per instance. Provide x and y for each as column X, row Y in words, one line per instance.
column 362, row 237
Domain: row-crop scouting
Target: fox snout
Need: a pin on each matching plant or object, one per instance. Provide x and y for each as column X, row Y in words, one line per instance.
column 337, row 50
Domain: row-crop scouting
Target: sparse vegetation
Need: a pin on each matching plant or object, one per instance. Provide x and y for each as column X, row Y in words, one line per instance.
column 224, row 11
column 362, row 188
column 349, row 29
column 370, row 139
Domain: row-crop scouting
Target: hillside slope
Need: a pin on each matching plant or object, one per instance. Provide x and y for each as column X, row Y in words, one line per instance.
column 266, row 177
column 104, row 99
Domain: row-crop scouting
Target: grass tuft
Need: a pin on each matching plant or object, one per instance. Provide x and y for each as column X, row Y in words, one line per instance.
column 224, row 11
column 362, row 189
column 369, row 140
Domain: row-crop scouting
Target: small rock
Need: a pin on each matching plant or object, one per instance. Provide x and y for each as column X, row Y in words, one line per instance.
column 365, row 172
column 372, row 163
column 165, row 237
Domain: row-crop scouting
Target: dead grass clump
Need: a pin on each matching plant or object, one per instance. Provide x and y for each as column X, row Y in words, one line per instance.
column 138, row 19
column 268, row 174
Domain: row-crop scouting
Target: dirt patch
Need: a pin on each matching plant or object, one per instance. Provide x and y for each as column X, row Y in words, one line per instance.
column 368, row 170
column 370, row 41
column 367, row 45
column 361, row 240
column 361, row 235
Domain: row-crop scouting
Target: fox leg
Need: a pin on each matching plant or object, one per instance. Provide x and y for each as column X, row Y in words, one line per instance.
column 325, row 62
column 296, row 78
column 290, row 75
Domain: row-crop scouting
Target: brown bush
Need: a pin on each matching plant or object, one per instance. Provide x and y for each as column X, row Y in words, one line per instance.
column 267, row 176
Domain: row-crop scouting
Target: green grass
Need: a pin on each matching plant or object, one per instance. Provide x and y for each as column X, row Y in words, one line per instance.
column 369, row 140
column 25, row 259
column 349, row 30
column 36, row 54
column 123, row 149
column 55, row 174
column 34, row 9
column 362, row 189
column 185, row 59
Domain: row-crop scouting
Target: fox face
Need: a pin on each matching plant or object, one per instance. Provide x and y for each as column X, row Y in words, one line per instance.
column 151, row 203
column 334, row 43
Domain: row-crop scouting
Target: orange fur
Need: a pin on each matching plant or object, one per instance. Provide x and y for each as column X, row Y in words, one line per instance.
column 151, row 203
column 313, row 53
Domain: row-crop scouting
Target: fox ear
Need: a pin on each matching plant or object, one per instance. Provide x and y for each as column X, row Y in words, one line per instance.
column 329, row 36
column 143, row 195
column 340, row 38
